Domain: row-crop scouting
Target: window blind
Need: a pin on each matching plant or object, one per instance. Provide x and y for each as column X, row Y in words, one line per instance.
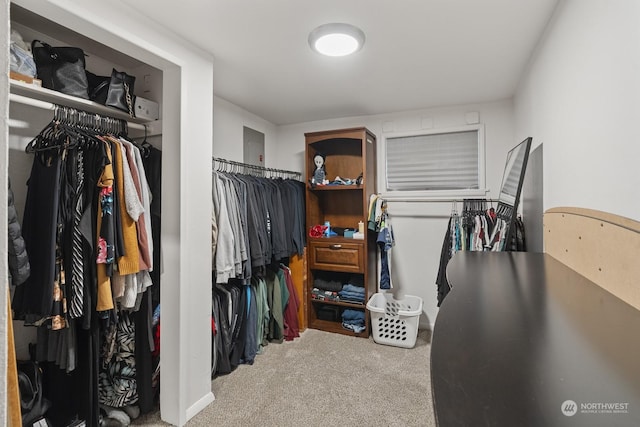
column 444, row 161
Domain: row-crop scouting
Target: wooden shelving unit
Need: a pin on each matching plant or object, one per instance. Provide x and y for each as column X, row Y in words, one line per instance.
column 349, row 153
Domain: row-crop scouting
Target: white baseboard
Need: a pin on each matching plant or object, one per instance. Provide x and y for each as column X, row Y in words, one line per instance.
column 205, row 401
column 426, row 325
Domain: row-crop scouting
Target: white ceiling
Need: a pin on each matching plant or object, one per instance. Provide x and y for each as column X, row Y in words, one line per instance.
column 418, row 53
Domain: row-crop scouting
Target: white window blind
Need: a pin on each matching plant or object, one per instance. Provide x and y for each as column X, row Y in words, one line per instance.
column 436, row 161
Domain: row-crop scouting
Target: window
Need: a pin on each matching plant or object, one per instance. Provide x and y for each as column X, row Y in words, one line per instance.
column 434, row 163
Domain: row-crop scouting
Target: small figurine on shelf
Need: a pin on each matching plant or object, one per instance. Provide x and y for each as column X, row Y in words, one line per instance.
column 319, row 175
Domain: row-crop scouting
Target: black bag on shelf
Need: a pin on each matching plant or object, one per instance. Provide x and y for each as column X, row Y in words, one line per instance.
column 120, row 94
column 61, row 68
column 33, row 404
column 98, row 87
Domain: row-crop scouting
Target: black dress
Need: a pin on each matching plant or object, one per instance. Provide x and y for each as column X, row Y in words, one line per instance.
column 33, row 301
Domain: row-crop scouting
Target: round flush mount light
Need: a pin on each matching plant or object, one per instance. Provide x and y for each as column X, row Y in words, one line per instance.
column 336, row 39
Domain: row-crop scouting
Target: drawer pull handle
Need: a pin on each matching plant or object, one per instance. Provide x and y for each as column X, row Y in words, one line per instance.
column 336, row 246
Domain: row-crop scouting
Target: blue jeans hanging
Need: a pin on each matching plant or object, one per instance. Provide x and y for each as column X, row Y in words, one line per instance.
column 385, row 242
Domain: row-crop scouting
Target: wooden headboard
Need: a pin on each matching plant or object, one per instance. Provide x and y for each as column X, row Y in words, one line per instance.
column 603, row 247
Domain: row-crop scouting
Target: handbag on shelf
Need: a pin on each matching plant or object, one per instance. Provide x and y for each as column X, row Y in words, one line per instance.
column 114, row 91
column 120, row 94
column 98, row 87
column 61, row 68
column 33, row 404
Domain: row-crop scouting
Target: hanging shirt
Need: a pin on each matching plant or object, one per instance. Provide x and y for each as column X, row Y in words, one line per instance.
column 385, row 242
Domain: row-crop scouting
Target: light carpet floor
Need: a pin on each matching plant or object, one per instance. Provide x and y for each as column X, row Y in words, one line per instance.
column 323, row 379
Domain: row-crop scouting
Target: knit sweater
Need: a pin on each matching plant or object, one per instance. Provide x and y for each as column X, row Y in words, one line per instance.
column 138, row 212
column 129, row 262
column 145, row 237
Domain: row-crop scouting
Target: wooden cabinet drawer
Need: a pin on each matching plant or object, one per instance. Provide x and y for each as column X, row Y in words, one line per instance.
column 336, row 256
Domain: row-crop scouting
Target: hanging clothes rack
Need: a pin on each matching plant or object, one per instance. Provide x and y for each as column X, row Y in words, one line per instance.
column 89, row 121
column 438, row 200
column 224, row 165
column 51, row 106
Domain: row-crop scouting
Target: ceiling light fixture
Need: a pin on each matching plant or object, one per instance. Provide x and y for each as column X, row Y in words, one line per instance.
column 336, row 39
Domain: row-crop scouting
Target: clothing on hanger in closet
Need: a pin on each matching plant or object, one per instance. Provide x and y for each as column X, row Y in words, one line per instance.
column 88, row 223
column 256, row 221
column 477, row 229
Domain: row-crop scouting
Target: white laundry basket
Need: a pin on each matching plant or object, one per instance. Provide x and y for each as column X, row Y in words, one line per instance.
column 395, row 321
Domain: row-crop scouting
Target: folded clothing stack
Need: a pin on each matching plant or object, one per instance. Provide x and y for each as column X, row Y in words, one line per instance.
column 352, row 293
column 353, row 320
column 322, row 295
column 327, row 285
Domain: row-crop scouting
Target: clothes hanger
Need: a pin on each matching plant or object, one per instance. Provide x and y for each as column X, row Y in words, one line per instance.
column 122, row 130
column 52, row 137
column 146, row 146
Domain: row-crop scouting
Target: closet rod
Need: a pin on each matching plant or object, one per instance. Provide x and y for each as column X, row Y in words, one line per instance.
column 50, row 106
column 409, row 199
column 256, row 167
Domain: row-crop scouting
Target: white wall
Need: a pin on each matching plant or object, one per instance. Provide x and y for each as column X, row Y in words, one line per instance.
column 419, row 227
column 580, row 99
column 228, row 123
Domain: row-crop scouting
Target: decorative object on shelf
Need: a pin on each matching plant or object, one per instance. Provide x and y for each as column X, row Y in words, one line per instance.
column 61, row 68
column 342, row 181
column 346, row 181
column 320, row 174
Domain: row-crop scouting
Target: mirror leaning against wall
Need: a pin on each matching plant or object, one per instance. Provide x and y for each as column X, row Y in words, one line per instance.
column 512, row 180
